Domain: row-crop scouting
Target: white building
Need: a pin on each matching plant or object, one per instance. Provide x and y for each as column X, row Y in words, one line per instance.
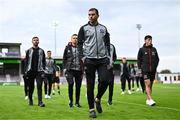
column 169, row 77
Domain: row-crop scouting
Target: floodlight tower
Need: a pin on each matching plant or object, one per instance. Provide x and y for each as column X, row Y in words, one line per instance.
column 55, row 25
column 139, row 26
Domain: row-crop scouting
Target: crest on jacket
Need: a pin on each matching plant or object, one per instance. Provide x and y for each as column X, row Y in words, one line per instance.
column 102, row 31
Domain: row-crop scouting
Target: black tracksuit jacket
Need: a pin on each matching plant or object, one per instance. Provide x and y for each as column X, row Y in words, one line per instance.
column 68, row 58
column 148, row 59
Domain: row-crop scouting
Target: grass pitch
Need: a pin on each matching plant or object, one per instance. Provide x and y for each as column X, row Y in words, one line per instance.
column 167, row 97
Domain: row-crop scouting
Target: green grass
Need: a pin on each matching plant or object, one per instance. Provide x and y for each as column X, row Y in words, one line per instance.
column 13, row 105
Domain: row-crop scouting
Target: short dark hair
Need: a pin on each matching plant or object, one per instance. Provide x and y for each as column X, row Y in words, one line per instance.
column 35, row 37
column 148, row 36
column 74, row 35
column 48, row 51
column 94, row 9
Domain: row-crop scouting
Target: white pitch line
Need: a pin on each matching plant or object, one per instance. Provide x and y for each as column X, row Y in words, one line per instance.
column 147, row 105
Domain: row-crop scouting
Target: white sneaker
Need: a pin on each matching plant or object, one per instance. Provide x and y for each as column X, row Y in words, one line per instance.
column 150, row 102
column 137, row 89
column 49, row 97
column 147, row 102
column 122, row 93
column 26, row 98
column 46, row 96
column 129, row 92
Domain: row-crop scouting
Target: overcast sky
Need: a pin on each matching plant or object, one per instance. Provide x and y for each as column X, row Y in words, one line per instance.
column 20, row 20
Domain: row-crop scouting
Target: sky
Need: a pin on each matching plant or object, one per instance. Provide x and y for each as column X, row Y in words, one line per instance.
column 20, row 20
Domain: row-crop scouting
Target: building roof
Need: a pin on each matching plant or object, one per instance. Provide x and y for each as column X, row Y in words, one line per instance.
column 9, row 44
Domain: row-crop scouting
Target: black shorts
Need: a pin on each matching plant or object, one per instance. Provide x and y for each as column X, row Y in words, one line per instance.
column 149, row 75
column 56, row 80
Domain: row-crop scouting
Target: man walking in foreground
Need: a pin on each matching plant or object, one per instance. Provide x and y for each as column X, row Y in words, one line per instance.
column 148, row 61
column 35, row 66
column 94, row 49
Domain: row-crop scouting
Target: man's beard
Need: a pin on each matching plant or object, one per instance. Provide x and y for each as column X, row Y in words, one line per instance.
column 35, row 45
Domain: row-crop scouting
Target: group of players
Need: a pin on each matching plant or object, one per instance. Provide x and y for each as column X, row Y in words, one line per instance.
column 89, row 52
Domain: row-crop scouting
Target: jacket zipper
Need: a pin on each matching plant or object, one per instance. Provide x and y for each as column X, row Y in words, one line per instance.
column 96, row 41
column 75, row 58
column 150, row 61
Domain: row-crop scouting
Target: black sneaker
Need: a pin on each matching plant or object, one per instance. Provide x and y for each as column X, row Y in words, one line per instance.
column 59, row 92
column 30, row 102
column 109, row 102
column 70, row 104
column 78, row 105
column 92, row 114
column 41, row 104
column 98, row 106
